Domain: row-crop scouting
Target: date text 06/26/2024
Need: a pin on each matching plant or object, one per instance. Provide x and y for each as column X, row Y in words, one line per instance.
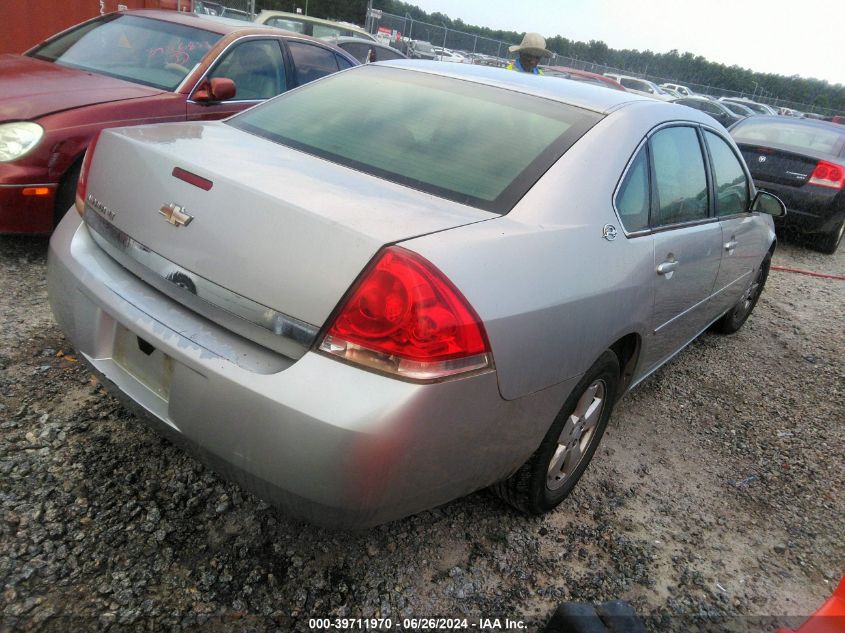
column 415, row 624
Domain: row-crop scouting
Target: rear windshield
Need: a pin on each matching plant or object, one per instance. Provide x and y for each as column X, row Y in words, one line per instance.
column 459, row 140
column 141, row 50
column 795, row 135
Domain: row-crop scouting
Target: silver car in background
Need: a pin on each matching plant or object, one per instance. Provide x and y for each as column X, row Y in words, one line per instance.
column 362, row 307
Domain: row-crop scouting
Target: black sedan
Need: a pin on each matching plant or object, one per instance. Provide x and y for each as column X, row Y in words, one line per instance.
column 802, row 162
column 738, row 109
column 713, row 108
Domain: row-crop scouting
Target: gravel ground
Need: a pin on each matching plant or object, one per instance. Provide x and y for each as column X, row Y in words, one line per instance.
column 716, row 498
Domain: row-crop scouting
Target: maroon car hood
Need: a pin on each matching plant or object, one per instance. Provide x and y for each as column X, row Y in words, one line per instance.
column 32, row 88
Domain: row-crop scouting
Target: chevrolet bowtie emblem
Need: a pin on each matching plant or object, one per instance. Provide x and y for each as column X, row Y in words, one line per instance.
column 175, row 215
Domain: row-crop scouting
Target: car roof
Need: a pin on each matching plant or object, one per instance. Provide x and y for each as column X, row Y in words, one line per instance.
column 579, row 94
column 213, row 23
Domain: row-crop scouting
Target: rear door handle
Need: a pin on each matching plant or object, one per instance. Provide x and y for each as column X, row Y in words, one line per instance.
column 666, row 267
column 729, row 246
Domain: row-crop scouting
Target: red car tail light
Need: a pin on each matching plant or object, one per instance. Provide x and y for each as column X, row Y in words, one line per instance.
column 828, row 175
column 404, row 317
column 82, row 183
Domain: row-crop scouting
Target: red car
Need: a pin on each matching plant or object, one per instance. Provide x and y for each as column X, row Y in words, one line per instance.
column 129, row 68
column 583, row 75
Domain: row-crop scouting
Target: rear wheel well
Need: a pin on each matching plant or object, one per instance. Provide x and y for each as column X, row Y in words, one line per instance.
column 66, row 193
column 627, row 350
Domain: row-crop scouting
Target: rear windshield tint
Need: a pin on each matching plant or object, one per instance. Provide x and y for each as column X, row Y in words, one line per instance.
column 471, row 143
column 795, row 135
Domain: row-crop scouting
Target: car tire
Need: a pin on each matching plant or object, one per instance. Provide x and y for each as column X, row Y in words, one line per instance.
column 738, row 315
column 552, row 471
column 829, row 242
column 66, row 193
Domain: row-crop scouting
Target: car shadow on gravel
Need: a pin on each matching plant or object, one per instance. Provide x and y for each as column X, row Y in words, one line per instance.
column 34, row 247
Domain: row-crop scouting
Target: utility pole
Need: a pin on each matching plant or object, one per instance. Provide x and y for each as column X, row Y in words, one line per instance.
column 410, row 30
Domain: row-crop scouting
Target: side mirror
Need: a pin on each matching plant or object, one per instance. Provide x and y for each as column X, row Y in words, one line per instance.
column 768, row 203
column 218, row 89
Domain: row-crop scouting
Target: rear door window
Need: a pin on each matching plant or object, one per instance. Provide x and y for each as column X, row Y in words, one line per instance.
column 312, row 61
column 679, row 176
column 732, row 189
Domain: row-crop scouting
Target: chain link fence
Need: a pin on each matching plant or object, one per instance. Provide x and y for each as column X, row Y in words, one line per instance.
column 400, row 30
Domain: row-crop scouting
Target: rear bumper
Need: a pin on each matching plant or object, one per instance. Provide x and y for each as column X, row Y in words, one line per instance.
column 31, row 214
column 810, row 209
column 323, row 440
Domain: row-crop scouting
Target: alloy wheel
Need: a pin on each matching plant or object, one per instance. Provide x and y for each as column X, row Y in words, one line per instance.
column 575, row 437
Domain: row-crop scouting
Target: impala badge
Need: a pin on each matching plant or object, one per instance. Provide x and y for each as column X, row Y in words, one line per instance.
column 175, row 215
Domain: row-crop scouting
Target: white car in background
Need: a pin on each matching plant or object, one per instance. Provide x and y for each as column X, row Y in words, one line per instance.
column 681, row 90
column 641, row 86
column 446, row 55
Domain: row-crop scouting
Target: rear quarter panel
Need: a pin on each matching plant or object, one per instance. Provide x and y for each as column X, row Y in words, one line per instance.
column 552, row 292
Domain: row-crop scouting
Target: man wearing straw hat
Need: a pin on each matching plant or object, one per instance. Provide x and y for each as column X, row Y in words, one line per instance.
column 532, row 49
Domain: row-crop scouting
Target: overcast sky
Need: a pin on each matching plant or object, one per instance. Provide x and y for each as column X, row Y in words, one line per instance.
column 773, row 36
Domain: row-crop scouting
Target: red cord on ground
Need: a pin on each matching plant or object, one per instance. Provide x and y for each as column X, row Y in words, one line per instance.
column 808, row 272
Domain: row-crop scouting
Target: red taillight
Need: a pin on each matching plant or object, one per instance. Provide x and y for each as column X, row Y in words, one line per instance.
column 828, row 175
column 405, row 317
column 82, row 183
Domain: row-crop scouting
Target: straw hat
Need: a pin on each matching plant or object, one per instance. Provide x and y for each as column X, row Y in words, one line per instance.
column 533, row 44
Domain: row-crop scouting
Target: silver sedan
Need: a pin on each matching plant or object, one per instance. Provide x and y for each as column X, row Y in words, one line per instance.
column 400, row 284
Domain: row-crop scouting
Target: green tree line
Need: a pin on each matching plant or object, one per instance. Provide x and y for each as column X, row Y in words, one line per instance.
column 684, row 68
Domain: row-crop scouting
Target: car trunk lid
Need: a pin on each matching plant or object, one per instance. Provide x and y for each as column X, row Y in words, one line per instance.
column 780, row 166
column 279, row 228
